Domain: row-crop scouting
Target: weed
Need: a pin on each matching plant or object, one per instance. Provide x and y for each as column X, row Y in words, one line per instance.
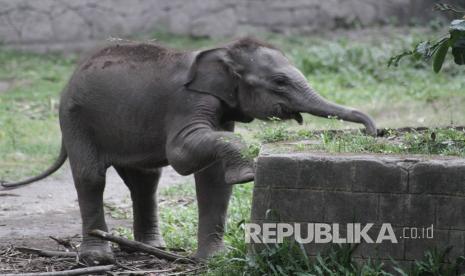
column 447, row 141
column 273, row 131
column 124, row 232
column 251, row 151
column 290, row 258
column 118, row 212
column 434, row 262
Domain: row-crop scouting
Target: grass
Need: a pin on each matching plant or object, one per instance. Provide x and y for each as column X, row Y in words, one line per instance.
column 290, row 259
column 347, row 68
column 432, row 141
column 29, row 130
column 178, row 213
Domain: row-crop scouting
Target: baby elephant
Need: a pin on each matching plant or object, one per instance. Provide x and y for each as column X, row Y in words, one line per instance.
column 139, row 107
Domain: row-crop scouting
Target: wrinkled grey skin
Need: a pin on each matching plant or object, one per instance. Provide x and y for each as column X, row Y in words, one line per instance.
column 140, row 107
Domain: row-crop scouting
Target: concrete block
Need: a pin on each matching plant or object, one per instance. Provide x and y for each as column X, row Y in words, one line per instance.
column 298, row 205
column 347, row 207
column 442, row 177
column 442, row 239
column 450, row 213
column 421, row 197
column 407, row 210
column 277, row 172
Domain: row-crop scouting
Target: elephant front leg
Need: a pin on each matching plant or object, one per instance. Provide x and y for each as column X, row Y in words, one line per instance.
column 212, row 197
column 200, row 148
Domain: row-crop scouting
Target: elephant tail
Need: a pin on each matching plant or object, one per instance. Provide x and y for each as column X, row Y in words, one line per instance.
column 53, row 168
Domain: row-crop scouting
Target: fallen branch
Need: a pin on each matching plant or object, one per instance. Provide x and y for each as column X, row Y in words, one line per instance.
column 79, row 271
column 8, row 194
column 142, row 247
column 185, row 272
column 171, row 248
column 46, row 253
column 142, row 272
column 64, row 242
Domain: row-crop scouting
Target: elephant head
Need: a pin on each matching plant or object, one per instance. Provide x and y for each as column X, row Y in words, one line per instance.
column 257, row 80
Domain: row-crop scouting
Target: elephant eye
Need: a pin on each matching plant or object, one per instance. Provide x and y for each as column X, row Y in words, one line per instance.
column 280, row 81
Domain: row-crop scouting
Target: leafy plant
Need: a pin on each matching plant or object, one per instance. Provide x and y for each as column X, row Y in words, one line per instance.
column 434, row 262
column 251, row 151
column 438, row 50
column 273, row 132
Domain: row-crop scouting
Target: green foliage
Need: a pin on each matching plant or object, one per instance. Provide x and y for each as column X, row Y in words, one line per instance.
column 252, row 150
column 434, row 141
column 290, row 258
column 178, row 216
column 434, row 262
column 438, row 50
column 439, row 141
column 124, row 232
column 116, row 212
column 272, row 132
column 29, row 129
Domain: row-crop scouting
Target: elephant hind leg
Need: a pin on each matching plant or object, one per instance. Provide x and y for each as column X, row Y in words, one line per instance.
column 89, row 180
column 143, row 185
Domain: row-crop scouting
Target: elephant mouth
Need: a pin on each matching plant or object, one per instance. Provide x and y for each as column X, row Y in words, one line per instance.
column 298, row 118
column 285, row 113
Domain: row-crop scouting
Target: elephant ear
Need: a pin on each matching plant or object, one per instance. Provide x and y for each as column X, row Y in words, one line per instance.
column 213, row 72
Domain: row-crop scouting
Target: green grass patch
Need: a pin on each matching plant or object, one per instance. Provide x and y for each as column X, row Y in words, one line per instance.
column 178, row 213
column 290, row 258
column 434, row 141
column 29, row 130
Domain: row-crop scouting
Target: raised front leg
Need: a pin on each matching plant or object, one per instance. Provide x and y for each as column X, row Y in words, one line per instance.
column 198, row 147
column 212, row 196
column 143, row 186
column 90, row 183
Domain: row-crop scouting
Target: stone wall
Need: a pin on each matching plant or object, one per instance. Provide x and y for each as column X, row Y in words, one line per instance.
column 44, row 25
column 410, row 192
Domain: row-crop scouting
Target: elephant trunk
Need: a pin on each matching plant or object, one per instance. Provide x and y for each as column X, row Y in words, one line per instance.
column 317, row 105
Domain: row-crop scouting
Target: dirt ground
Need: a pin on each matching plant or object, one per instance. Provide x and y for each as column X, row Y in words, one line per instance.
column 29, row 215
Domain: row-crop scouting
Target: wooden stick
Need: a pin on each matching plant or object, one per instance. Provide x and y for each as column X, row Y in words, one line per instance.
column 64, row 242
column 185, row 272
column 8, row 194
column 79, row 271
column 46, row 253
column 142, row 272
column 142, row 247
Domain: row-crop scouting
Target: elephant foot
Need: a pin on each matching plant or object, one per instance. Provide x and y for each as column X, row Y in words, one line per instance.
column 155, row 241
column 207, row 251
column 93, row 255
column 239, row 175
